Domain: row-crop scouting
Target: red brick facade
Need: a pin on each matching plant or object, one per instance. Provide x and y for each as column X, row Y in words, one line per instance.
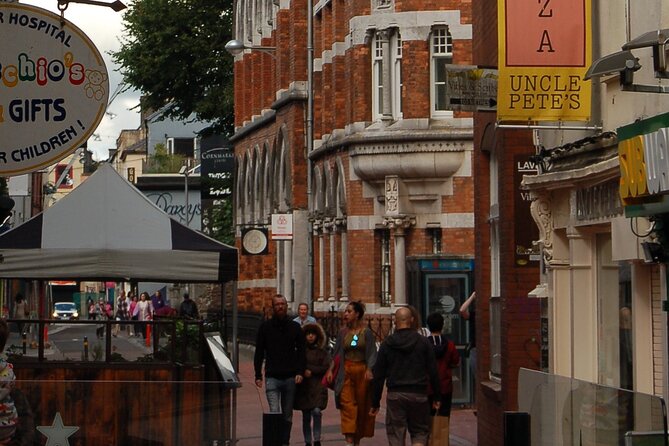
column 353, row 154
column 520, row 316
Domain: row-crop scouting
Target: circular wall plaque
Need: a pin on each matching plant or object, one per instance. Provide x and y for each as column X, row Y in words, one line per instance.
column 254, row 241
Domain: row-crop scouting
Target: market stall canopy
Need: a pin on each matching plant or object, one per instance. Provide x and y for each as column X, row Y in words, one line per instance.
column 106, row 229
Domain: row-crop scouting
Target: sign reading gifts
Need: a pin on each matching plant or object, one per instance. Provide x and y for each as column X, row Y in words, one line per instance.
column 544, row 51
column 643, row 151
column 53, row 88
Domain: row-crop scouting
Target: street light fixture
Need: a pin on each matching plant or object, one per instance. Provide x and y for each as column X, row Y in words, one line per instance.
column 235, row 48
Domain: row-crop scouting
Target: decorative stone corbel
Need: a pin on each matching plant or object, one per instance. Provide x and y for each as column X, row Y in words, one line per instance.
column 399, row 222
column 542, row 216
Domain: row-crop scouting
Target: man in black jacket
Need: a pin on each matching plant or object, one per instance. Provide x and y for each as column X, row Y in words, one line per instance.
column 406, row 362
column 281, row 345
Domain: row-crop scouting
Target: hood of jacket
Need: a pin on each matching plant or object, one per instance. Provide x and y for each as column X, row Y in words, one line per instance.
column 320, row 333
column 403, row 340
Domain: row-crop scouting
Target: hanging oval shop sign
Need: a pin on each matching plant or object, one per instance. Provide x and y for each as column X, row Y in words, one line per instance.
column 53, row 88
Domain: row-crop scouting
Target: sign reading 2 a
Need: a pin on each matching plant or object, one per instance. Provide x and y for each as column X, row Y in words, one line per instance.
column 550, row 33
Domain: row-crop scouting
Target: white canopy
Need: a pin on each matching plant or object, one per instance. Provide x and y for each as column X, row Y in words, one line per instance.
column 106, row 229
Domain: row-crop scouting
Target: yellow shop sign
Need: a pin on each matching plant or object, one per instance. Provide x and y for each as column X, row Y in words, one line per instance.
column 643, row 149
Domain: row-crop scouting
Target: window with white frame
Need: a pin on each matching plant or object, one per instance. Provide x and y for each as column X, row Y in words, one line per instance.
column 377, row 76
column 387, row 55
column 386, row 297
column 396, row 48
column 441, row 49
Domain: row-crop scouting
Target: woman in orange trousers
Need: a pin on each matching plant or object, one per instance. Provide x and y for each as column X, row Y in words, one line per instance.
column 356, row 347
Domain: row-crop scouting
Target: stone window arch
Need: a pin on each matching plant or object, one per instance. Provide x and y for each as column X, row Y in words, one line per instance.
column 330, row 182
column 267, row 182
column 284, row 173
column 319, row 194
column 239, row 190
column 248, row 188
column 341, row 188
column 258, row 183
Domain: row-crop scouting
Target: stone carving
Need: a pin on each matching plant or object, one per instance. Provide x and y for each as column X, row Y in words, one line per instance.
column 392, row 195
column 399, row 222
column 542, row 216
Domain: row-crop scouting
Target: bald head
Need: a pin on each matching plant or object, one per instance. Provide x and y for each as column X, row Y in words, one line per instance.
column 403, row 318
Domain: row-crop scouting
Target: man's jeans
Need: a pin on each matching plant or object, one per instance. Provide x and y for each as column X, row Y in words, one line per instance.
column 280, row 397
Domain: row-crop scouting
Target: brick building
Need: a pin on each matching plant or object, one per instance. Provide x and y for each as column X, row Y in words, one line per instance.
column 508, row 321
column 381, row 198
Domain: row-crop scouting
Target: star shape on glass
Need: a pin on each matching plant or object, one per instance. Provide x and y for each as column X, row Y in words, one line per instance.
column 57, row 434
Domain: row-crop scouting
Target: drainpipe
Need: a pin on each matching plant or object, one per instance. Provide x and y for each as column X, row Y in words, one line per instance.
column 310, row 147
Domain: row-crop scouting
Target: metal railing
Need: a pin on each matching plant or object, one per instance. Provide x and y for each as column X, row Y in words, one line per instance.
column 166, row 340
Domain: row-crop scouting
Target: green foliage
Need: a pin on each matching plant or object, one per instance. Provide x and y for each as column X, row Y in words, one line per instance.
column 174, row 51
column 163, row 162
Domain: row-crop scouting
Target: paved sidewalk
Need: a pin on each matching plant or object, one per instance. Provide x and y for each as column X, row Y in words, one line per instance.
column 251, row 402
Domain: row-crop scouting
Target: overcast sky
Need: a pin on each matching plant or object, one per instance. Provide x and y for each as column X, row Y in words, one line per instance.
column 104, row 27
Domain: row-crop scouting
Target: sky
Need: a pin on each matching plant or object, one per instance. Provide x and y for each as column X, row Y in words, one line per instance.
column 104, row 27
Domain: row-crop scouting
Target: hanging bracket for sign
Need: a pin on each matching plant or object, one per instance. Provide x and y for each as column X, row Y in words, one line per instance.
column 116, row 5
column 597, row 128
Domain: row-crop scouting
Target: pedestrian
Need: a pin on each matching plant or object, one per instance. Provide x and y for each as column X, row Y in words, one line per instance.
column 9, row 417
column 406, row 365
column 356, row 349
column 121, row 312
column 280, row 345
column 417, row 324
column 102, row 313
column 188, row 308
column 133, row 312
column 303, row 316
column 21, row 311
column 447, row 357
column 311, row 397
column 157, row 301
column 144, row 311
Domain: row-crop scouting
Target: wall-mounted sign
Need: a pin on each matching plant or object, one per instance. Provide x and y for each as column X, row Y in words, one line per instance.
column 254, row 241
column 174, row 205
column 525, row 230
column 282, row 226
column 470, row 88
column 643, row 149
column 545, row 48
column 53, row 88
column 217, row 167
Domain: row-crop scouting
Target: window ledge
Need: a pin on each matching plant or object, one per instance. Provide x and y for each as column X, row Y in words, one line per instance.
column 492, row 390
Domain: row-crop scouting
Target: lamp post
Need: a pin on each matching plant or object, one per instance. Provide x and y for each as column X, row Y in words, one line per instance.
column 185, row 172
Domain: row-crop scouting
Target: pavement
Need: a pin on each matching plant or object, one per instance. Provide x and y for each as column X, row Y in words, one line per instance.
column 251, row 402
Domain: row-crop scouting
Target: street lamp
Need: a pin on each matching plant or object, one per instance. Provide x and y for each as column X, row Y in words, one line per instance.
column 235, row 48
column 185, row 171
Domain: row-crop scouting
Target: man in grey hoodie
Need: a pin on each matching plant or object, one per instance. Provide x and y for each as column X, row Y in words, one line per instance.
column 406, row 364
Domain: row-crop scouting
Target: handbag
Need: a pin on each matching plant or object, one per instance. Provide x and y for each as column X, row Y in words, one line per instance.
column 335, row 370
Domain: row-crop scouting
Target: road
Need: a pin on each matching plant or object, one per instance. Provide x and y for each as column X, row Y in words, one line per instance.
column 66, row 341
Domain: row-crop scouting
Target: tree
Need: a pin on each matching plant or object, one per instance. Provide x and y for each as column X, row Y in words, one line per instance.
column 173, row 51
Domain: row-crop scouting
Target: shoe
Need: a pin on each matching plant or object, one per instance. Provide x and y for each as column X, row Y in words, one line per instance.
column 317, row 443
